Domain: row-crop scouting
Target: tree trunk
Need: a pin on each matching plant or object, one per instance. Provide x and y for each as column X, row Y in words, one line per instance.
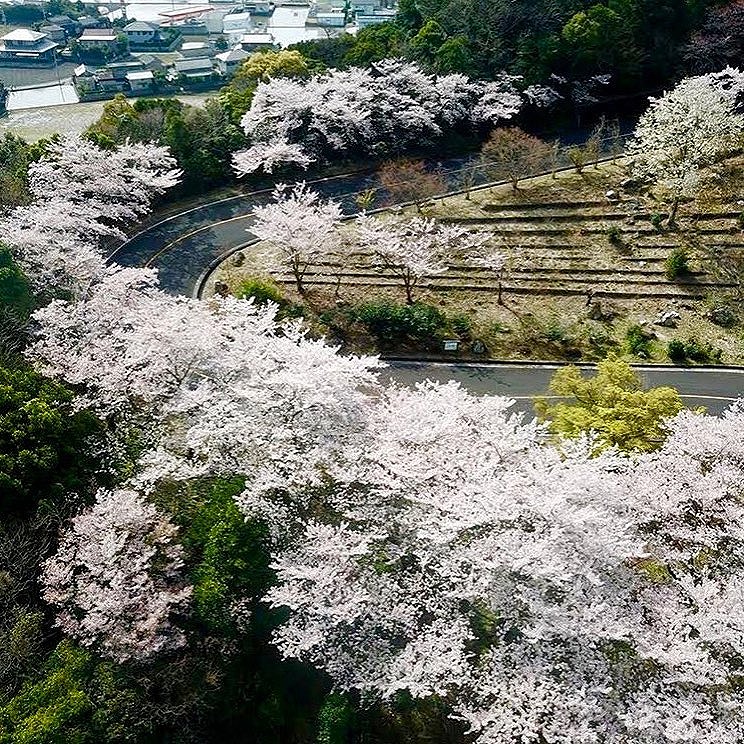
column 673, row 214
column 499, row 297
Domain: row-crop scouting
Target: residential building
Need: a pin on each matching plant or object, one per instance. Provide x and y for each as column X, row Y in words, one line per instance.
column 56, row 33
column 228, row 62
column 98, row 38
column 92, row 22
column 194, row 70
column 120, row 70
column 84, row 79
column 151, row 63
column 26, row 48
column 335, row 18
column 257, row 42
column 383, row 15
column 195, row 49
column 139, row 32
column 236, row 22
column 70, row 26
column 140, row 81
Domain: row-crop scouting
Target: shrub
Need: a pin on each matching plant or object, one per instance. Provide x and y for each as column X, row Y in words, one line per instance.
column 740, row 221
column 694, row 351
column 261, row 290
column 614, row 235
column 657, row 220
column 390, row 322
column 637, row 342
column 676, row 264
column 676, row 351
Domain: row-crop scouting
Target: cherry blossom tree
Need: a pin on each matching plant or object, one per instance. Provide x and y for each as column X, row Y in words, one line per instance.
column 116, row 185
column 81, row 196
column 687, row 129
column 116, row 579
column 299, row 229
column 413, row 249
column 381, row 110
column 547, row 594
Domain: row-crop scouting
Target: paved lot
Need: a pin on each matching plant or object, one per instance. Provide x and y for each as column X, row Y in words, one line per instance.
column 14, row 77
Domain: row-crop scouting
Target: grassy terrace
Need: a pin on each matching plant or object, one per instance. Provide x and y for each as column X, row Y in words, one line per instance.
column 582, row 271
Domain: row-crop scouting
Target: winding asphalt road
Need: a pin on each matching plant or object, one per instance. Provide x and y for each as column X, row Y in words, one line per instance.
column 713, row 388
column 184, row 246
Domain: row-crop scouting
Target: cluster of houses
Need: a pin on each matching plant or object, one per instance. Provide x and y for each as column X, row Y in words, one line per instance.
column 360, row 13
column 199, row 67
column 93, row 39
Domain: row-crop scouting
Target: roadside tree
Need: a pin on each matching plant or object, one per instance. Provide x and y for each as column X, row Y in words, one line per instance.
column 300, row 230
column 612, row 405
column 408, row 181
column 413, row 249
column 515, row 154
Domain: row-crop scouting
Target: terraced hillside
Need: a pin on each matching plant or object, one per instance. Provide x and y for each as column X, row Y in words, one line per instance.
column 579, row 264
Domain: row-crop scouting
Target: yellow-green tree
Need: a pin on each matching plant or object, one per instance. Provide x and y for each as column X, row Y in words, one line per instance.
column 261, row 66
column 612, row 404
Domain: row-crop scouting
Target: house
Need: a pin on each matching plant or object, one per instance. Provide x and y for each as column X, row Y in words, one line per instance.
column 383, row 15
column 26, row 48
column 256, row 42
column 335, row 18
column 139, row 32
column 56, row 33
column 140, row 81
column 84, row 79
column 195, row 70
column 98, row 38
column 228, row 62
column 151, row 63
column 236, row 22
column 92, row 22
column 195, row 49
column 119, row 70
column 69, row 25
column 108, row 83
column 365, row 7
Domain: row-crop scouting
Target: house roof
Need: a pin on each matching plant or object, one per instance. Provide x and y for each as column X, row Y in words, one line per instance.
column 23, row 34
column 140, row 26
column 233, row 55
column 61, row 19
column 81, row 70
column 50, row 28
column 256, row 39
column 192, row 45
column 193, row 65
column 98, row 34
column 139, row 75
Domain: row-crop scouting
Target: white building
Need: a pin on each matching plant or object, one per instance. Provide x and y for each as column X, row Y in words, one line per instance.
column 140, row 81
column 228, row 62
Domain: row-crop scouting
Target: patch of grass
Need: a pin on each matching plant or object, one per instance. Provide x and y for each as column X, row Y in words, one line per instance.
column 261, row 290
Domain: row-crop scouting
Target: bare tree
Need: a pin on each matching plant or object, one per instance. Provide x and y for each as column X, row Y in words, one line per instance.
column 408, row 180
column 515, row 154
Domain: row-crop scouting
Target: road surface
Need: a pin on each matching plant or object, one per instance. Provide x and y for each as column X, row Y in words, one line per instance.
column 715, row 389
